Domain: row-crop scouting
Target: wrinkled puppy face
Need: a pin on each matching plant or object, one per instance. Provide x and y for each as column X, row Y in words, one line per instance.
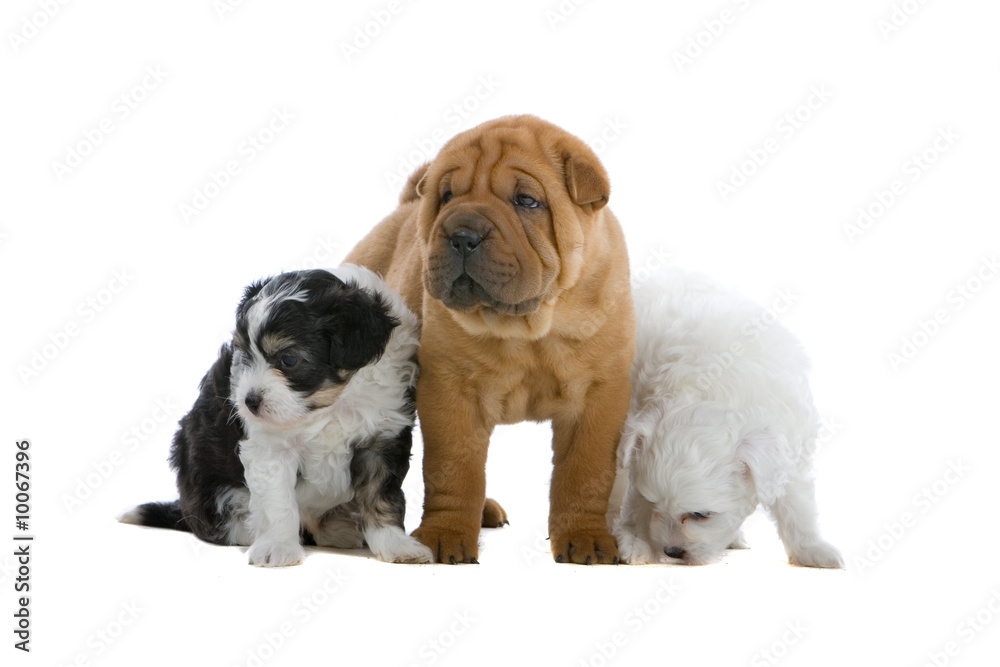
column 299, row 338
column 700, row 492
column 504, row 213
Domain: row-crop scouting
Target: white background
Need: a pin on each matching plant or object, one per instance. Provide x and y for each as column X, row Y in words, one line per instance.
column 89, row 357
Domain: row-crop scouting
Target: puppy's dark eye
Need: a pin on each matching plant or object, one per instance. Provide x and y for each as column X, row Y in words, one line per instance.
column 446, row 197
column 289, row 361
column 526, row 201
column 697, row 516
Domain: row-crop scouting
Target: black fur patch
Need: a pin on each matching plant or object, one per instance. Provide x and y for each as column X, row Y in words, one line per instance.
column 205, row 453
column 333, row 329
column 163, row 515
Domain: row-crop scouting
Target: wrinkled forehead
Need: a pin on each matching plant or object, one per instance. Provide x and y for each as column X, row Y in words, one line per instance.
column 494, row 160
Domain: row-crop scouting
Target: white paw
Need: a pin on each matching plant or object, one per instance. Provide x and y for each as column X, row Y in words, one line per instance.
column 392, row 545
column 739, row 542
column 634, row 550
column 269, row 553
column 410, row 552
column 817, row 554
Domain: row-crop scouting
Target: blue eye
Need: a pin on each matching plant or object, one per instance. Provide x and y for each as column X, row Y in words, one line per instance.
column 526, row 201
column 288, row 361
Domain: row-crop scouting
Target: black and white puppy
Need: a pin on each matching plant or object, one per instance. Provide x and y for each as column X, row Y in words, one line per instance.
column 303, row 425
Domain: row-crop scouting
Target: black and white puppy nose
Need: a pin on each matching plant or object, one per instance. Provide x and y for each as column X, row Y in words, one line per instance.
column 465, row 241
column 253, row 400
column 674, row 552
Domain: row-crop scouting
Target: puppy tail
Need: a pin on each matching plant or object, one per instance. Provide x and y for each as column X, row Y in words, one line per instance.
column 157, row 515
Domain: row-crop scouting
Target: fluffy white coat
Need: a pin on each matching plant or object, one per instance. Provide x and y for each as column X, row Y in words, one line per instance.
column 721, row 420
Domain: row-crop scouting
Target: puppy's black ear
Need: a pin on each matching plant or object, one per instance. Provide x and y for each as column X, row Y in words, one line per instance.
column 361, row 328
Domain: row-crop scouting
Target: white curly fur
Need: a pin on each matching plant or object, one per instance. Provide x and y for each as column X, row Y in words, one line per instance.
column 721, row 420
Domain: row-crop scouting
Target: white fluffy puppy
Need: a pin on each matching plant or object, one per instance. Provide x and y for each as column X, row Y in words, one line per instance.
column 721, row 420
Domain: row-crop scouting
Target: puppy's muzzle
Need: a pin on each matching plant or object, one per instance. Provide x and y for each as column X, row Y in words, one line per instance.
column 470, row 266
column 466, row 230
column 674, row 552
column 465, row 241
column 254, row 399
column 467, row 272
